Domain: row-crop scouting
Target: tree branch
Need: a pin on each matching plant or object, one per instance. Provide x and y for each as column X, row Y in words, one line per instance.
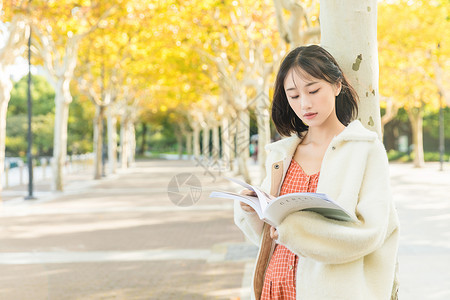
column 391, row 110
column 16, row 41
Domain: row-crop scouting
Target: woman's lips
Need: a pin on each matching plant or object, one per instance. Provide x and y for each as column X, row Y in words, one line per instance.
column 310, row 115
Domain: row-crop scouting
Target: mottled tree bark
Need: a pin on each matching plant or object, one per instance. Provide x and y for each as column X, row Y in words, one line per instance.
column 349, row 33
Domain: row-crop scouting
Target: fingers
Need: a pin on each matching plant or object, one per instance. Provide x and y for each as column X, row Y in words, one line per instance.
column 248, row 192
column 246, row 207
column 273, row 233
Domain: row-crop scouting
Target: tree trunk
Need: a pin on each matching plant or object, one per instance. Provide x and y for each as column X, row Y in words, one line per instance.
column 62, row 101
column 180, row 145
column 416, row 119
column 98, row 140
column 216, row 143
column 205, row 149
column 124, row 147
column 112, row 142
column 227, row 144
column 3, row 110
column 389, row 115
column 243, row 143
column 230, row 147
column 5, row 95
column 131, row 143
column 349, row 33
column 196, row 141
column 189, row 144
column 16, row 33
column 263, row 122
column 144, row 139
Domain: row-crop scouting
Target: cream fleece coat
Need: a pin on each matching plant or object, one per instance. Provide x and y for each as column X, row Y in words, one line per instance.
column 337, row 260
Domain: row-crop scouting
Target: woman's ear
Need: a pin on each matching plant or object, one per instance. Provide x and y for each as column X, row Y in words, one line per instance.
column 338, row 89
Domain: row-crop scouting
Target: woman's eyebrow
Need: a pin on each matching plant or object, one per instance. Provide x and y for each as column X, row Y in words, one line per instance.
column 311, row 83
column 306, row 85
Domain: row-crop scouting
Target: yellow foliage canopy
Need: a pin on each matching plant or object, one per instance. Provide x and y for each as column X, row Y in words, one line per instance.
column 412, row 41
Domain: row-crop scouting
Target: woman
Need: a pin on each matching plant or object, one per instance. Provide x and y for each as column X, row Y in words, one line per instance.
column 309, row 256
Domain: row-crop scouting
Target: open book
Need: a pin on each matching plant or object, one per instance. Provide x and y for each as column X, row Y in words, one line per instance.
column 273, row 210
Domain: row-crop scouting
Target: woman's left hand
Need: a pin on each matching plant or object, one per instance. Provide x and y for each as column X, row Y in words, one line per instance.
column 273, row 233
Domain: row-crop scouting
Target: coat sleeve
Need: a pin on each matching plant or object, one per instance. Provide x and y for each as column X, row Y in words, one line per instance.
column 249, row 223
column 329, row 241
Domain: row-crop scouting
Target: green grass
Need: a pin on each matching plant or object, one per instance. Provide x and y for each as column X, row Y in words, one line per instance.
column 398, row 156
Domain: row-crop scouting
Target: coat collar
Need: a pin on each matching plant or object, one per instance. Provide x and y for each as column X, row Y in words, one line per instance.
column 355, row 131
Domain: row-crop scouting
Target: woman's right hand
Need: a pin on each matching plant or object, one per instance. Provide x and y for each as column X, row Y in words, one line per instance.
column 245, row 206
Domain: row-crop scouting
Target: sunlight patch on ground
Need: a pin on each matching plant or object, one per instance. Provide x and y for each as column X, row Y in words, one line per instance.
column 25, row 258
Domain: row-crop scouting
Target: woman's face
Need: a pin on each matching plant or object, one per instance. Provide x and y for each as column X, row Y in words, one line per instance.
column 312, row 99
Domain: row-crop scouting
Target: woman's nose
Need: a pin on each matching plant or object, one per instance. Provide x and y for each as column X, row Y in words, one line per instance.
column 305, row 102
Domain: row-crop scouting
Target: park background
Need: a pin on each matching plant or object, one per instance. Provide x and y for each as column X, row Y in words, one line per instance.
column 118, row 82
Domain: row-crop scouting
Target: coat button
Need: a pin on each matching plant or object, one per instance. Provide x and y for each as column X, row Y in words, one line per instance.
column 333, row 148
column 277, row 166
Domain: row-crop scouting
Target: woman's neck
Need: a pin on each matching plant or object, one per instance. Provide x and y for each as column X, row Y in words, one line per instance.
column 322, row 135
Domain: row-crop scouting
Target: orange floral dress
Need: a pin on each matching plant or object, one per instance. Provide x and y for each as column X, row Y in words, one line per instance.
column 279, row 281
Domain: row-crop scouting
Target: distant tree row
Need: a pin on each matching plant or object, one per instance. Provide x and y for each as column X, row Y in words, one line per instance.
column 79, row 125
column 203, row 66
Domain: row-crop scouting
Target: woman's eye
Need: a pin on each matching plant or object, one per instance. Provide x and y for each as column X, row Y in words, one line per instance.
column 313, row 92
column 294, row 97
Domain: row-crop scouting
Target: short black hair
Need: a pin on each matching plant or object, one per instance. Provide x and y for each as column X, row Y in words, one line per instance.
column 318, row 63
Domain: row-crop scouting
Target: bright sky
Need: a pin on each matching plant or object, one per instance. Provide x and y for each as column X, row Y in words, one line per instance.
column 20, row 68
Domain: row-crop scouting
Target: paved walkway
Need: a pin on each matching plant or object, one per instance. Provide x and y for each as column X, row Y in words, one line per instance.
column 423, row 203
column 124, row 238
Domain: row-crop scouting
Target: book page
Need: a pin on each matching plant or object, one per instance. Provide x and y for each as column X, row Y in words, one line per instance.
column 250, row 200
column 262, row 196
column 280, row 208
column 331, row 213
